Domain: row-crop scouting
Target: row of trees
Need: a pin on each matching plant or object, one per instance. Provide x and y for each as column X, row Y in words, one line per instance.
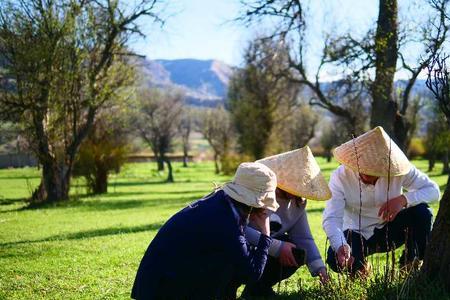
column 70, row 94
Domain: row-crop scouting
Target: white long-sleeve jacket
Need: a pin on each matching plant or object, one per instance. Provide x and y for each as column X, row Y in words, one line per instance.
column 343, row 210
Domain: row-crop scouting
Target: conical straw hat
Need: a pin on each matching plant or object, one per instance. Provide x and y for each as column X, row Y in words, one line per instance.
column 299, row 174
column 373, row 149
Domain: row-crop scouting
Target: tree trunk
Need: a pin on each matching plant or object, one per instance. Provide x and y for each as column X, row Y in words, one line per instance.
column 55, row 183
column 436, row 264
column 446, row 169
column 216, row 163
column 431, row 162
column 328, row 157
column 101, row 181
column 384, row 109
column 160, row 162
column 185, row 156
column 401, row 130
column 169, row 167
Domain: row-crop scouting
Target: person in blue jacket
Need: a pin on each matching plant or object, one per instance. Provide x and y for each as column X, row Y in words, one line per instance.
column 201, row 252
column 298, row 178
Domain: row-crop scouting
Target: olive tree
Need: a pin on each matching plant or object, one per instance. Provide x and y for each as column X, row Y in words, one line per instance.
column 62, row 61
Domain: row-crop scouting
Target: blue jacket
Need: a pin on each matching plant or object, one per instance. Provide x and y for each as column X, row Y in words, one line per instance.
column 198, row 252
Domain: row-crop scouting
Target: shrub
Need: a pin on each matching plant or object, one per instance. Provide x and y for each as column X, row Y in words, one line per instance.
column 416, row 148
column 231, row 161
column 104, row 151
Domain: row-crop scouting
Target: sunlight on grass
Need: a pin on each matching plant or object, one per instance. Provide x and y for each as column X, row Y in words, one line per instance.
column 90, row 247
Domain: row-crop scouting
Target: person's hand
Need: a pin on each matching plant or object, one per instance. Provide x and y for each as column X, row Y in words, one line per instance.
column 323, row 276
column 261, row 221
column 286, row 258
column 345, row 259
column 389, row 210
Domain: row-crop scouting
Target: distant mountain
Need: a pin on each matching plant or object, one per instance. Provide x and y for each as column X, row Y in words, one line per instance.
column 205, row 82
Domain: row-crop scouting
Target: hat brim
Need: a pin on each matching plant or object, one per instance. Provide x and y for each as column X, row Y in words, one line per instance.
column 323, row 196
column 373, row 153
column 266, row 199
column 298, row 173
column 405, row 168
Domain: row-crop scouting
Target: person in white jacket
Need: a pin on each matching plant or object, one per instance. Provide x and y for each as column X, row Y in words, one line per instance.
column 379, row 202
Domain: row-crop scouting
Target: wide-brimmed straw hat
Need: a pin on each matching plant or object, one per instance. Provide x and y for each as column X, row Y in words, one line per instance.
column 254, row 185
column 299, row 174
column 378, row 155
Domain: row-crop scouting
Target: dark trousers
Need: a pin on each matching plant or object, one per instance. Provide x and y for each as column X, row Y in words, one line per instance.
column 273, row 273
column 411, row 227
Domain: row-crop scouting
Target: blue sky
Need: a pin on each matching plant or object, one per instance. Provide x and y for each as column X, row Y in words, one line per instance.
column 196, row 29
column 204, row 29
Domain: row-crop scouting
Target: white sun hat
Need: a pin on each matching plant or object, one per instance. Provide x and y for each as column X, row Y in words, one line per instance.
column 299, row 174
column 254, row 185
column 378, row 155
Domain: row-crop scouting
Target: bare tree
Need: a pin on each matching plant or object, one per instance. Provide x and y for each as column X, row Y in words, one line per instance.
column 437, row 256
column 259, row 97
column 62, row 61
column 331, row 137
column 414, row 117
column 298, row 128
column 157, row 121
column 437, row 139
column 184, row 129
column 216, row 126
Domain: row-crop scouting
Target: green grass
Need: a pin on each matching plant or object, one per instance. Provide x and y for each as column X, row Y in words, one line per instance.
column 90, row 247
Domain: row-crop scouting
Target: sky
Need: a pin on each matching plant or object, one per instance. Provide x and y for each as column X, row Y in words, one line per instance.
column 199, row 29
column 204, row 29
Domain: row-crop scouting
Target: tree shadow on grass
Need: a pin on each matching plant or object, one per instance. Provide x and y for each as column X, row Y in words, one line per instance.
column 141, row 183
column 9, row 201
column 111, row 195
column 89, row 234
column 436, row 174
column 328, row 169
column 116, row 204
column 127, row 194
column 103, row 205
column 15, row 177
column 314, row 210
column 108, row 201
column 136, row 183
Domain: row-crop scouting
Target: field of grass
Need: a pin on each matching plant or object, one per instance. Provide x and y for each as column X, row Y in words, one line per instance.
column 90, row 247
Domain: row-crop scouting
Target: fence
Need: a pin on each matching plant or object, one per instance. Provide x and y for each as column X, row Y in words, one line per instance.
column 17, row 160
column 146, row 158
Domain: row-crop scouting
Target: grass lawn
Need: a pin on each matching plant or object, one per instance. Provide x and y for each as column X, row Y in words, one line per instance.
column 90, row 247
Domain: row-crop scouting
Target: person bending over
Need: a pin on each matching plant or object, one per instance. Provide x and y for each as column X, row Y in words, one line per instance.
column 200, row 251
column 298, row 179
